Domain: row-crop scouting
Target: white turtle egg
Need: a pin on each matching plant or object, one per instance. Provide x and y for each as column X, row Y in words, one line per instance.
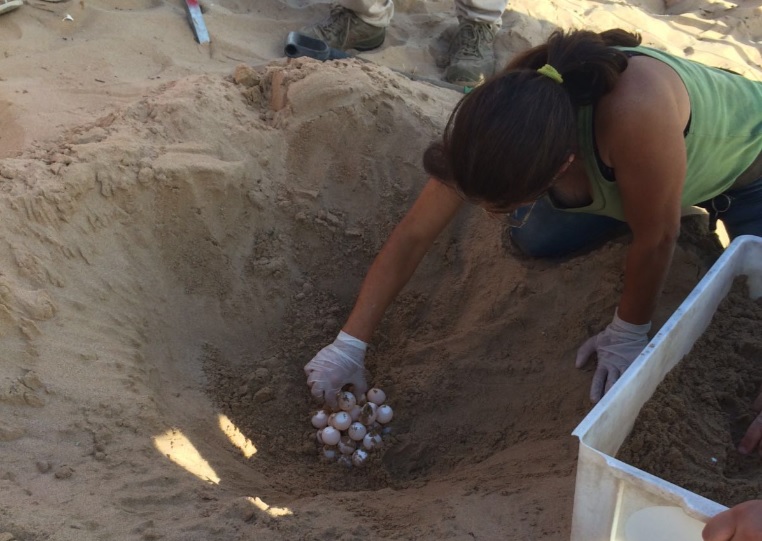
column 354, row 413
column 347, row 445
column 377, row 396
column 359, row 457
column 320, row 419
column 330, row 453
column 384, row 414
column 368, row 413
column 331, row 436
column 346, row 400
column 319, row 436
column 341, row 420
column 372, row 440
column 357, row 431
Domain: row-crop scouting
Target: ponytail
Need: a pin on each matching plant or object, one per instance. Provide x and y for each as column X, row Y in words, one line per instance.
column 587, row 61
column 506, row 140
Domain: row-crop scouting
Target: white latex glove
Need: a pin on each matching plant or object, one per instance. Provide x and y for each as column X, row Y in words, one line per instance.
column 617, row 346
column 335, row 366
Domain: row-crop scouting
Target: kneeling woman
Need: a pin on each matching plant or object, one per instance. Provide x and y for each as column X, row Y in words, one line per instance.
column 575, row 139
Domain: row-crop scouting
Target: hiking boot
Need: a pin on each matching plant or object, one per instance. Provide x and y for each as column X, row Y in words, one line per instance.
column 471, row 56
column 343, row 30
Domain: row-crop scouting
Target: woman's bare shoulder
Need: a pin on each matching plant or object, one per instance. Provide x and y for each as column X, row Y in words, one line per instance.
column 649, row 101
column 647, row 85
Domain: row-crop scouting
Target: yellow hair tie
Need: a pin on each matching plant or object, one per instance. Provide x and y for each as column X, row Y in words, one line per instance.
column 550, row 72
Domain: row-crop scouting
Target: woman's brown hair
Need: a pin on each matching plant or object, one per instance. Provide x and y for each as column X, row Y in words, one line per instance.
column 506, row 139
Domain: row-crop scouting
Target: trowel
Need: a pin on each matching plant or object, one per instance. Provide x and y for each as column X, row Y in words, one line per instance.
column 196, row 20
column 298, row 44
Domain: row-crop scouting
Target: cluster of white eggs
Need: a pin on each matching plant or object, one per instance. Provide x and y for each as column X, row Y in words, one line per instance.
column 348, row 435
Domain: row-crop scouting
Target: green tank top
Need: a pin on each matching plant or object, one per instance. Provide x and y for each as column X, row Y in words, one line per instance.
column 723, row 139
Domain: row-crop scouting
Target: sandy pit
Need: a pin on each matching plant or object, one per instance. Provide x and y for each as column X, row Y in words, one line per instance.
column 180, row 235
column 175, row 263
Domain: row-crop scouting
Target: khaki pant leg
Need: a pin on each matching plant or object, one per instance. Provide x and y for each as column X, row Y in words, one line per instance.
column 375, row 12
column 483, row 11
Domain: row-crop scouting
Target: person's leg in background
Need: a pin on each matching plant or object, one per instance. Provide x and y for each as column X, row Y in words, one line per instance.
column 361, row 25
column 472, row 58
column 354, row 24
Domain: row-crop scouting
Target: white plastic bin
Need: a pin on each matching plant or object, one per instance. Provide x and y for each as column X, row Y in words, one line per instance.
column 612, row 499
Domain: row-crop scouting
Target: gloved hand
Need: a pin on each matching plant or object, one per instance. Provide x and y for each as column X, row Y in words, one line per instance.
column 617, row 346
column 337, row 365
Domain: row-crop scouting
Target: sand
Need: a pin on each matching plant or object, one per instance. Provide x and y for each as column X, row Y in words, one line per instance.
column 184, row 226
column 688, row 431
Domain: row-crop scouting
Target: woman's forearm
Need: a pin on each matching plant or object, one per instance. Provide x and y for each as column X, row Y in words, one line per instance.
column 400, row 256
column 646, row 270
column 390, row 271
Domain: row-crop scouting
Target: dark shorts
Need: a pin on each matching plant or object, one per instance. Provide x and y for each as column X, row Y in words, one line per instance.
column 545, row 231
column 740, row 210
